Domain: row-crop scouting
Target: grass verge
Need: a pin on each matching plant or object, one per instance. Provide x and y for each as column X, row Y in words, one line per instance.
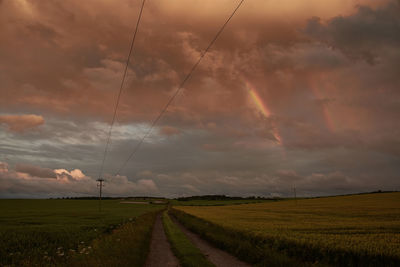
column 247, row 248
column 125, row 246
column 185, row 251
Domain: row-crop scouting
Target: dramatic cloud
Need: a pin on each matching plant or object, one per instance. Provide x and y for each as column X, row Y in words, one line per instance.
column 35, row 171
column 363, row 34
column 21, row 123
column 300, row 93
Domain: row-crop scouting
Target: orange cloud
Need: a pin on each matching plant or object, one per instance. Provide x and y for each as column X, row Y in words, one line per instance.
column 21, row 123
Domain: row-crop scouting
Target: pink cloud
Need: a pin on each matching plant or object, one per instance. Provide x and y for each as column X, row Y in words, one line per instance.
column 35, row 171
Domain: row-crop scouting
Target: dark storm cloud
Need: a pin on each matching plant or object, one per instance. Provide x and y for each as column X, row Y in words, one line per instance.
column 361, row 34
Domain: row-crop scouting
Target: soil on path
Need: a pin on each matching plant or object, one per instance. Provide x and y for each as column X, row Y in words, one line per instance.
column 218, row 257
column 160, row 250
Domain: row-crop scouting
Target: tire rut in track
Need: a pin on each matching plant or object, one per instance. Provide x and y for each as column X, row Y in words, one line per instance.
column 160, row 250
column 217, row 256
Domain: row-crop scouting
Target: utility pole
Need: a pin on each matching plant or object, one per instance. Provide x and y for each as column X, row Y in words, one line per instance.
column 294, row 191
column 100, row 186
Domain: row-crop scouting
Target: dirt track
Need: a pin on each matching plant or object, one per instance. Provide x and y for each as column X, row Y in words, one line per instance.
column 215, row 255
column 160, row 250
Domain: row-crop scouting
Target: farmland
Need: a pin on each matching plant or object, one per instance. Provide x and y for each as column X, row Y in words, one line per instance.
column 52, row 231
column 356, row 230
column 350, row 230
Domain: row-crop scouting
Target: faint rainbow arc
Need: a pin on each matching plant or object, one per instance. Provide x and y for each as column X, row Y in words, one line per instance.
column 263, row 109
column 259, row 103
column 326, row 113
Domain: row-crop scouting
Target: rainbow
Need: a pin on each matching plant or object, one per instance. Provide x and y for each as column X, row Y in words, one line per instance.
column 326, row 112
column 263, row 109
column 259, row 103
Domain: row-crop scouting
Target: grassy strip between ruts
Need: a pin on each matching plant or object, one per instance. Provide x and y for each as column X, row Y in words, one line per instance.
column 125, row 246
column 247, row 248
column 185, row 251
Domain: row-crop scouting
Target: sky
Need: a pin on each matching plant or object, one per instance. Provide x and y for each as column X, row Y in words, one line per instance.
column 293, row 94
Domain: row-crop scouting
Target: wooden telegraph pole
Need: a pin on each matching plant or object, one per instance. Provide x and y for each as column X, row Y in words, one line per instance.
column 100, row 186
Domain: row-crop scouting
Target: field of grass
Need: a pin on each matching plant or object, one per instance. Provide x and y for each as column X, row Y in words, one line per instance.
column 358, row 230
column 188, row 254
column 49, row 232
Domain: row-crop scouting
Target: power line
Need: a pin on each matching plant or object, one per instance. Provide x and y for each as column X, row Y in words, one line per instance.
column 179, row 89
column 120, row 90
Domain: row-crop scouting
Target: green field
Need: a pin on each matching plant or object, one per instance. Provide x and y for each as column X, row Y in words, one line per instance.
column 352, row 230
column 48, row 232
column 127, row 245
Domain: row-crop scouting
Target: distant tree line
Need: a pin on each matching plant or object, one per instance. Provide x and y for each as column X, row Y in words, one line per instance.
column 107, row 198
column 218, row 197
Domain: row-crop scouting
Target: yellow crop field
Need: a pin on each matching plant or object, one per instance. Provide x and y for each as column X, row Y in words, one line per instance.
column 366, row 224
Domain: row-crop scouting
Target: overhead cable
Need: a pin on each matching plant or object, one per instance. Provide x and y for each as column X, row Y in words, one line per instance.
column 171, row 99
column 120, row 90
